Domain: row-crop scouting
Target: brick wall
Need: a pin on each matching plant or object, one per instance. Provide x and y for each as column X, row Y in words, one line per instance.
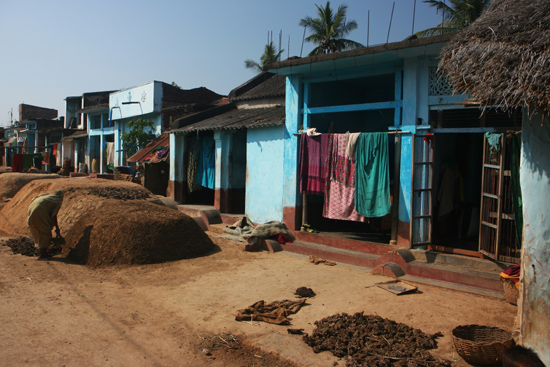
column 28, row 112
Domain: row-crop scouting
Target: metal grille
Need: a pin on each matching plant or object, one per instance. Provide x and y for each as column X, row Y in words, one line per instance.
column 439, row 84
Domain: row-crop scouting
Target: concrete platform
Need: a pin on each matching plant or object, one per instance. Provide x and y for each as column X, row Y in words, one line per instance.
column 452, row 271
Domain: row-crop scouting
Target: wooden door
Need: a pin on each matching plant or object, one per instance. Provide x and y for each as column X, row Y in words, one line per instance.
column 497, row 238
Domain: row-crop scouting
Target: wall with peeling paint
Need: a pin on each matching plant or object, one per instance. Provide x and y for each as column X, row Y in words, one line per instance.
column 264, row 174
column 535, row 186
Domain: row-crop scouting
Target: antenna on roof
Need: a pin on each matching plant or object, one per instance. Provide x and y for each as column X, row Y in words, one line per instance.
column 288, row 48
column 391, row 18
column 368, row 27
column 280, row 39
column 303, row 38
column 414, row 15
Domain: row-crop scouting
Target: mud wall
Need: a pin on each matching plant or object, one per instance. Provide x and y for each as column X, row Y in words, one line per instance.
column 535, row 183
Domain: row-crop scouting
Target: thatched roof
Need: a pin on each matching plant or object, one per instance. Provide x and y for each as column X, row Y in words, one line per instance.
column 503, row 58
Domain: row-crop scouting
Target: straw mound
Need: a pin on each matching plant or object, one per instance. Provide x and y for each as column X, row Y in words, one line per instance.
column 11, row 183
column 111, row 223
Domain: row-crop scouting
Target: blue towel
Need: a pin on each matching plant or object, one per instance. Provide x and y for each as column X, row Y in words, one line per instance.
column 206, row 167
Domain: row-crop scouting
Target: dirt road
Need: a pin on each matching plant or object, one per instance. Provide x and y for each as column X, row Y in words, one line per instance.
column 56, row 313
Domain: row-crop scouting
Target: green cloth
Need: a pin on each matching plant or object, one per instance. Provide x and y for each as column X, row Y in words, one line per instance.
column 494, row 144
column 43, row 211
column 372, row 175
column 28, row 160
column 515, row 157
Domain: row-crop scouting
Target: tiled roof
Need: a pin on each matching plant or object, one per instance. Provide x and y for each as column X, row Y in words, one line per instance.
column 239, row 119
column 273, row 86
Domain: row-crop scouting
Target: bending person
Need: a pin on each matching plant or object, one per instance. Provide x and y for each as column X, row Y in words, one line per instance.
column 42, row 217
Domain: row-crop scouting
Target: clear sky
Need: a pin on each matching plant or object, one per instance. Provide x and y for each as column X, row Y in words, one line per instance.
column 58, row 48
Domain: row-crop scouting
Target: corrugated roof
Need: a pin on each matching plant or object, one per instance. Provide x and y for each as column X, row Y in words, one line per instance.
column 162, row 141
column 244, row 118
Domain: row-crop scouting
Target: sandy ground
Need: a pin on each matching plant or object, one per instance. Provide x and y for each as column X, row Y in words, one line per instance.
column 56, row 313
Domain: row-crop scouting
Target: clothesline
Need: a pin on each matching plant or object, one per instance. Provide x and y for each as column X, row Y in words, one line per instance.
column 389, row 132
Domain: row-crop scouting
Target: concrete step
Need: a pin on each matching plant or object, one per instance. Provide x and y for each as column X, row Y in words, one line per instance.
column 420, row 280
column 347, row 256
column 339, row 241
column 398, row 262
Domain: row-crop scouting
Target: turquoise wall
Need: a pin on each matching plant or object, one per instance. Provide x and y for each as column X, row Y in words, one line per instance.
column 265, row 176
column 535, row 186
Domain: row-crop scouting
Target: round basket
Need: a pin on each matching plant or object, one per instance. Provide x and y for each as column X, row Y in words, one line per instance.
column 511, row 293
column 481, row 345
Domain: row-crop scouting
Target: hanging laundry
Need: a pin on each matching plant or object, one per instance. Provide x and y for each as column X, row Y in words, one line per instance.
column 58, row 157
column 517, row 202
column 372, row 175
column 206, row 165
column 192, row 165
column 313, row 164
column 340, row 184
column 17, row 162
column 494, row 145
column 28, row 161
column 351, row 143
column 110, row 155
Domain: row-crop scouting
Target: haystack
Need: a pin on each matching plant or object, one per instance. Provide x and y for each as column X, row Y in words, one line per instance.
column 108, row 222
column 12, row 182
column 503, row 57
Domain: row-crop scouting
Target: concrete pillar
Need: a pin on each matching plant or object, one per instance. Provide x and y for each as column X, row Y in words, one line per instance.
column 291, row 198
column 102, row 168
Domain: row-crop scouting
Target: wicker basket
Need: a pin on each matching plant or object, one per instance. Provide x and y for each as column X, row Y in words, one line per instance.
column 511, row 293
column 481, row 345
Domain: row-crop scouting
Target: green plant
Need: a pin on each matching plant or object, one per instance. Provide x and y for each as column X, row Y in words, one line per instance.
column 141, row 132
column 329, row 29
column 457, row 15
column 270, row 56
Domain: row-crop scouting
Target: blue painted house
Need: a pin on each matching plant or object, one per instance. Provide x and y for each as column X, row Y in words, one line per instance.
column 85, row 116
column 436, row 143
column 245, row 142
column 103, row 117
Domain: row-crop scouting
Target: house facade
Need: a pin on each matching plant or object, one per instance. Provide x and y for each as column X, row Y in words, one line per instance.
column 231, row 157
column 436, row 142
column 36, row 132
column 86, row 117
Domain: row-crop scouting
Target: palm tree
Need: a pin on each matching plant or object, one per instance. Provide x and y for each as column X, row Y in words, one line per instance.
column 328, row 31
column 456, row 16
column 270, row 56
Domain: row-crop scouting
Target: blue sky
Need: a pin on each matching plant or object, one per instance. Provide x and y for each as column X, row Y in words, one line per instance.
column 54, row 49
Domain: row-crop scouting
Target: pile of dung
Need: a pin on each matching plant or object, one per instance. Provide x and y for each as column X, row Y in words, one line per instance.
column 369, row 340
column 304, row 292
column 12, row 182
column 20, row 245
column 106, row 222
column 25, row 246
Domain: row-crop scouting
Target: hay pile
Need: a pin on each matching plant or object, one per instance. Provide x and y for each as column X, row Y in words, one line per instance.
column 111, row 223
column 12, row 182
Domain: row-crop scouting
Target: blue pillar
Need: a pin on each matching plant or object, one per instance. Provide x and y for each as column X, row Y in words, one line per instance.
column 291, row 197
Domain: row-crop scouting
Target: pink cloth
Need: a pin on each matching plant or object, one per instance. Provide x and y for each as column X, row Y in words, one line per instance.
column 339, row 194
column 313, row 164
